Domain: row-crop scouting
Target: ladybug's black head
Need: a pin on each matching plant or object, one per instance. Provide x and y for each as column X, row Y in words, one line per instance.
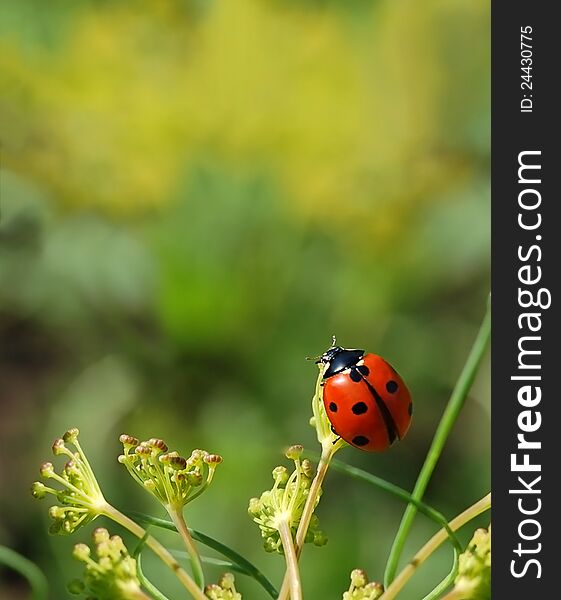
column 338, row 359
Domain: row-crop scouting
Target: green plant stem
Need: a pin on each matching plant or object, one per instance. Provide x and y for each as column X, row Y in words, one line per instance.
column 447, row 421
column 185, row 579
column 34, row 576
column 292, row 570
column 387, row 486
column 311, row 500
column 176, row 516
column 447, row 581
column 146, row 583
column 244, row 566
column 470, row 513
column 328, row 449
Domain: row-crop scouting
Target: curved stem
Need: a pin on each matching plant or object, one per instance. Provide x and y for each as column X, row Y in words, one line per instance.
column 292, row 570
column 242, row 563
column 176, row 516
column 146, row 583
column 447, row 581
column 185, row 579
column 311, row 500
column 28, row 569
column 427, row 510
column 437, row 539
column 328, row 449
column 449, row 417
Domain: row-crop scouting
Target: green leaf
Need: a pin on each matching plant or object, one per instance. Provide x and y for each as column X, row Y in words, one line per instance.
column 391, row 488
column 243, row 565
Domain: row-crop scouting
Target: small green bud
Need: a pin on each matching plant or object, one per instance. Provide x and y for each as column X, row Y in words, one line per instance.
column 71, row 436
column 307, row 468
column 225, row 590
column 280, row 475
column 359, row 578
column 81, row 552
column 58, row 447
column 361, row 589
column 150, row 485
column 254, row 507
column 56, row 512
column 47, row 470
column 294, row 452
column 320, row 539
column 39, row 490
column 194, row 478
column 226, row 581
column 100, row 535
column 76, row 587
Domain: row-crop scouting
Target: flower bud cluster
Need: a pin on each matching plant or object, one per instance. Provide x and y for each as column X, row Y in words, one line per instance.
column 224, row 590
column 285, row 502
column 361, row 588
column 111, row 573
column 171, row 478
column 78, row 492
column 473, row 581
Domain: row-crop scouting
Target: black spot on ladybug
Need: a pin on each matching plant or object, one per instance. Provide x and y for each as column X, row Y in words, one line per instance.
column 364, row 370
column 392, row 386
column 355, row 375
column 360, row 440
column 359, row 408
column 332, row 407
column 410, row 408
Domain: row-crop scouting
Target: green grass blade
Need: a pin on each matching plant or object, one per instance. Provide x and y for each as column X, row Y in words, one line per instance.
column 27, row 569
column 227, row 565
column 447, row 581
column 391, row 488
column 146, row 583
column 244, row 565
column 449, row 417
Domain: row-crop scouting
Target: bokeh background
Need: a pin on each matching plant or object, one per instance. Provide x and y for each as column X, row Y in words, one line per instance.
column 195, row 195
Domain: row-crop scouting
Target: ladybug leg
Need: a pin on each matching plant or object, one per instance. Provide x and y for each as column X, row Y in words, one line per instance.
column 338, row 436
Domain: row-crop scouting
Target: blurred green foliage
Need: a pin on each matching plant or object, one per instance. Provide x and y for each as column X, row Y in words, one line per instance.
column 194, row 197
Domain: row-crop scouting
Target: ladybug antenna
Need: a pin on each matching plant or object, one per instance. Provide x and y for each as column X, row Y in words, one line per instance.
column 333, row 345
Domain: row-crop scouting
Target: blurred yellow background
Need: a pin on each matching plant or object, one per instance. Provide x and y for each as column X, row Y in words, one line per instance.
column 195, row 195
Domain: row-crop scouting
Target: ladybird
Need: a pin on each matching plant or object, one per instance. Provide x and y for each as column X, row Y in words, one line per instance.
column 366, row 401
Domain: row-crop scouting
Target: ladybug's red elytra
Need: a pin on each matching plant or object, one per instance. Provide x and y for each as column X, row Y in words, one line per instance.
column 366, row 401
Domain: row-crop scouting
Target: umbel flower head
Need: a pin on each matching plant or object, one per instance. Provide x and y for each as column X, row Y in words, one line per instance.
column 361, row 588
column 473, row 581
column 79, row 494
column 111, row 573
column 171, row 478
column 224, row 590
column 285, row 503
